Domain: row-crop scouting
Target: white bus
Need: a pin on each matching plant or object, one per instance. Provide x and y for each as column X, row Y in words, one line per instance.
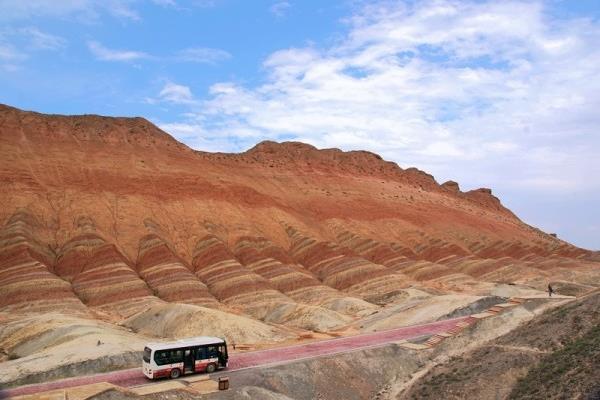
column 186, row 356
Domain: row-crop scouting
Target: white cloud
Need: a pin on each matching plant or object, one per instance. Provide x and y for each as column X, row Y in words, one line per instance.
column 165, row 3
column 16, row 9
column 175, row 93
column 196, row 54
column 487, row 93
column 106, row 54
column 121, row 9
column 84, row 10
column 204, row 55
column 19, row 45
column 280, row 8
column 9, row 54
column 195, row 135
column 204, row 3
column 42, row 40
column 442, row 149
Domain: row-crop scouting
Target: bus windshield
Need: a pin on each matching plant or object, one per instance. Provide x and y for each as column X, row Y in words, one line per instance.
column 147, row 353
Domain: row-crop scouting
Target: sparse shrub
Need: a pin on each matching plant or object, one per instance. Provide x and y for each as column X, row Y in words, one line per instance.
column 549, row 376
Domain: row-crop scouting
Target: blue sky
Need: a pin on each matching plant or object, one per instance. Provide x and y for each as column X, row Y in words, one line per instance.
column 490, row 94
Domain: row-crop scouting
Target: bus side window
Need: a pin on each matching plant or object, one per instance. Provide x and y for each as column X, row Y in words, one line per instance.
column 176, row 356
column 222, row 350
column 212, row 351
column 161, row 357
column 201, row 353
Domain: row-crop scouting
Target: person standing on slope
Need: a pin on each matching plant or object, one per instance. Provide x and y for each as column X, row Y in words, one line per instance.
column 550, row 290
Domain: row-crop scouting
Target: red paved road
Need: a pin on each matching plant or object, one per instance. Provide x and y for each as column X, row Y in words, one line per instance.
column 133, row 377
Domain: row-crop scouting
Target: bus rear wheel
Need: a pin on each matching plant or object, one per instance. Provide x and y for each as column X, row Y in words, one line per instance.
column 175, row 373
column 210, row 368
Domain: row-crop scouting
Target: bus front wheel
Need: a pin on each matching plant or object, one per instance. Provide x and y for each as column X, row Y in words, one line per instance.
column 175, row 373
column 210, row 368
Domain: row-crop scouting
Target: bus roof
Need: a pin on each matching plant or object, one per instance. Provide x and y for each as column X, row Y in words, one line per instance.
column 187, row 342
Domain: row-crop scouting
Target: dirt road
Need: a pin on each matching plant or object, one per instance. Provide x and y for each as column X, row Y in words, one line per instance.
column 238, row 361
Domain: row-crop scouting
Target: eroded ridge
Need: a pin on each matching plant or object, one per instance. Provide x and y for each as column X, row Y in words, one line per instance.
column 435, row 249
column 239, row 287
column 100, row 274
column 342, row 269
column 426, row 274
column 454, row 268
column 393, row 256
column 537, row 271
column 264, row 258
column 568, row 250
column 228, row 280
column 377, row 252
column 502, row 248
column 169, row 277
column 26, row 281
column 503, row 269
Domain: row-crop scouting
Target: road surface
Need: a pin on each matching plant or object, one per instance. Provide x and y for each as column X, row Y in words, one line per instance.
column 238, row 361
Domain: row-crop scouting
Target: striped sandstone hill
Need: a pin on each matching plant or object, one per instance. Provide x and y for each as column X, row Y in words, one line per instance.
column 239, row 287
column 258, row 254
column 27, row 282
column 169, row 277
column 337, row 267
column 100, row 274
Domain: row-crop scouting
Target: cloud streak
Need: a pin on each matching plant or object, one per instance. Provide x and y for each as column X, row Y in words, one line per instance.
column 19, row 45
column 202, row 55
column 178, row 94
column 85, row 10
column 41, row 40
column 105, row 54
column 280, row 8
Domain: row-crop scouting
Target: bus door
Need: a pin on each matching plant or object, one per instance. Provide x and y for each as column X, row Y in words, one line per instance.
column 223, row 355
column 188, row 360
column 200, row 357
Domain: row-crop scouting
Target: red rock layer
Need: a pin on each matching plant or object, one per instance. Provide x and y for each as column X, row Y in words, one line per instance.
column 228, row 280
column 435, row 249
column 568, row 250
column 263, row 257
column 396, row 257
column 475, row 266
column 339, row 268
column 565, row 268
column 423, row 270
column 257, row 248
column 502, row 248
column 26, row 282
column 377, row 252
column 457, row 271
column 101, row 276
column 169, row 276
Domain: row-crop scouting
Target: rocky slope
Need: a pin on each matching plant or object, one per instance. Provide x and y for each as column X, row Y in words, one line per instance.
column 553, row 356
